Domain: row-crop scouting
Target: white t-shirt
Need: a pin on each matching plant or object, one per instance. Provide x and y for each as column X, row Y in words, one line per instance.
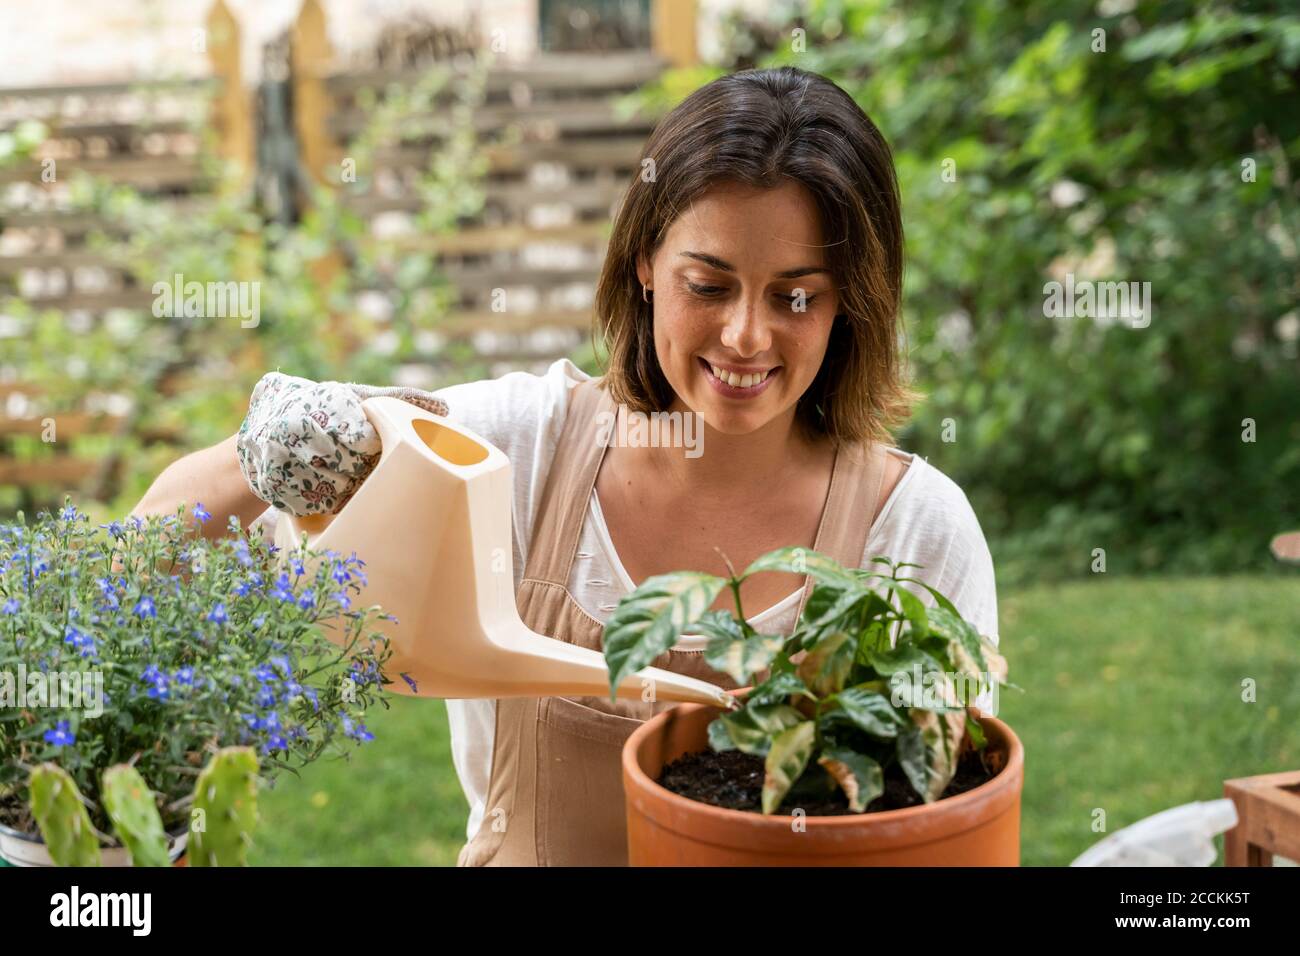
column 927, row 521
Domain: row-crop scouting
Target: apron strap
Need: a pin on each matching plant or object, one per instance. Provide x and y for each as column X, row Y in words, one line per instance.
column 852, row 504
column 569, row 484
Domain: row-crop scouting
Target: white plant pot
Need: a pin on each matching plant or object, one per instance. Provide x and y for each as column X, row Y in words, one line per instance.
column 21, row 849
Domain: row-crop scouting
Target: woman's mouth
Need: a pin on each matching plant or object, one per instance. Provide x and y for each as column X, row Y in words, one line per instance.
column 735, row 383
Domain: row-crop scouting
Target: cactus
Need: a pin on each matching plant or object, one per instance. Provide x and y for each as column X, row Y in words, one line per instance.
column 226, row 803
column 130, row 805
column 65, row 826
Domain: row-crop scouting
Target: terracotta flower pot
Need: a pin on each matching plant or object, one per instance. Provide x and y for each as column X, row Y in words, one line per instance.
column 980, row 827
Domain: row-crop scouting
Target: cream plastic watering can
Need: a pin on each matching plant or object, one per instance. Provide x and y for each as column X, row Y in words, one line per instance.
column 432, row 523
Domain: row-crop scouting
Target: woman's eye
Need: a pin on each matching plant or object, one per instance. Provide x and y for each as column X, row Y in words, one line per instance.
column 705, row 291
column 798, row 303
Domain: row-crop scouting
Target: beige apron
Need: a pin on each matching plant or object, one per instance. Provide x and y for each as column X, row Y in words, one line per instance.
column 556, row 791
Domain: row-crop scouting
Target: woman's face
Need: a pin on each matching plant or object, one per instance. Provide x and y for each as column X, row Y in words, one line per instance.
column 743, row 304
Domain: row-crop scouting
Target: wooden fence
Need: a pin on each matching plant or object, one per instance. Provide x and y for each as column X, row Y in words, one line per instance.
column 537, row 246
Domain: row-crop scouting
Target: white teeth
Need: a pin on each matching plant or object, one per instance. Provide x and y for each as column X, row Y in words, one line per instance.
column 740, row 381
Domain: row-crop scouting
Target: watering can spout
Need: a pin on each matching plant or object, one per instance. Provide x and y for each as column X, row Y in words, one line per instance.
column 432, row 523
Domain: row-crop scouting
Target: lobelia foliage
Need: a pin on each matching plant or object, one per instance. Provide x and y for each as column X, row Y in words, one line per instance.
column 177, row 646
column 869, row 675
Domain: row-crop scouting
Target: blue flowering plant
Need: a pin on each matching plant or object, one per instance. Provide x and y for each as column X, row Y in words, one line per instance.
column 142, row 643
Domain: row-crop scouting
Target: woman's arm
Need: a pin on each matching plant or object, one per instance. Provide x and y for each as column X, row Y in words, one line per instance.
column 211, row 476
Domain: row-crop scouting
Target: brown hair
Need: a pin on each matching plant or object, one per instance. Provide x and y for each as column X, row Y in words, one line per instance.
column 760, row 128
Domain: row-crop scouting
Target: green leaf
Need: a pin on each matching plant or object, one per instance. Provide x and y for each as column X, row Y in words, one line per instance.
column 913, row 758
column 903, row 658
column 778, row 687
column 786, row 760
column 719, row 737
column 821, row 567
column 868, row 710
column 953, row 627
column 858, row 776
column 752, row 728
column 651, row 619
column 976, row 732
column 826, row 667
column 61, row 816
column 731, row 652
column 130, row 804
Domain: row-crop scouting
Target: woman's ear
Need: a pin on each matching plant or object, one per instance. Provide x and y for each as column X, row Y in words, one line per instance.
column 644, row 273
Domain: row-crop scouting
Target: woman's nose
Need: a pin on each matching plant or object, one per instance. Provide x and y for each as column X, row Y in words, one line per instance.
column 746, row 330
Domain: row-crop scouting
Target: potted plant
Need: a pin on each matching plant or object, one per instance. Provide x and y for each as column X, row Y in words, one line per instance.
column 138, row 660
column 860, row 747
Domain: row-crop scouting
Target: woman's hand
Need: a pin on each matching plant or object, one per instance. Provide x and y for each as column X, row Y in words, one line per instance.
column 305, row 447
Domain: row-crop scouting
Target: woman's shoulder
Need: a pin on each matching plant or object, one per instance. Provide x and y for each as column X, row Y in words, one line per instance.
column 929, row 521
column 517, row 407
column 925, row 496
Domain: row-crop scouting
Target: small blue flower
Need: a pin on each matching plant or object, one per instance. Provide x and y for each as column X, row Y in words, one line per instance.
column 257, row 621
column 263, row 673
column 114, row 528
column 265, row 698
column 10, row 606
column 79, row 639
column 271, row 722
column 145, row 608
column 242, row 588
column 283, row 590
column 308, row 600
column 185, row 676
column 358, row 733
column 273, row 743
column 241, row 552
column 340, row 573
column 298, row 569
column 410, row 680
column 60, row 736
column 69, row 512
column 345, row 602
column 218, row 614
column 200, row 512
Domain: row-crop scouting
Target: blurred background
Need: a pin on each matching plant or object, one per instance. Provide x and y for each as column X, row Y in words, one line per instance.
column 420, row 193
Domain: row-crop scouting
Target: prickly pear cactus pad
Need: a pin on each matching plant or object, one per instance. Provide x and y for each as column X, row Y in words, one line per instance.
column 130, row 805
column 62, row 817
column 225, row 809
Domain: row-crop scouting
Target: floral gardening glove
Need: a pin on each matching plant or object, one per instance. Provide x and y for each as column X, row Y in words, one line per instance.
column 305, row 447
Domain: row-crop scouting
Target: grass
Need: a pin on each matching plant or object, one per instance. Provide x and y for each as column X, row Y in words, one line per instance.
column 1132, row 704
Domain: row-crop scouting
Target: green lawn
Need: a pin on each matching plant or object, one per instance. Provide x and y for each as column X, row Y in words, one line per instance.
column 1132, row 704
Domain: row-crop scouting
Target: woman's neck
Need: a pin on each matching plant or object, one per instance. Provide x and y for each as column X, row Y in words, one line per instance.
column 761, row 460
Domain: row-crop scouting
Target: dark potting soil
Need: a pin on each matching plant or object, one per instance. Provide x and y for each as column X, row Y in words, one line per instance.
column 733, row 780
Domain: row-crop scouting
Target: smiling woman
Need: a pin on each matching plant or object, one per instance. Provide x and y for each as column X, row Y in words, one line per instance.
column 752, row 285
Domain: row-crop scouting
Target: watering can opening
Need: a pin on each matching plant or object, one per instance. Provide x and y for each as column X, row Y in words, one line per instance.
column 447, row 444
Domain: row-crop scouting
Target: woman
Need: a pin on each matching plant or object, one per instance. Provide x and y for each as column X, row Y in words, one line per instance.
column 753, row 279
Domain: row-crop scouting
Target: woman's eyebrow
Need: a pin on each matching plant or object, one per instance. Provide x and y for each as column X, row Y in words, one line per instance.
column 724, row 266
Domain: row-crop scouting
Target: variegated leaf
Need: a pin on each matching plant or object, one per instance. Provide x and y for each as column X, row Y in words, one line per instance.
column 858, row 776
column 786, row 761
column 825, row 668
column 731, row 652
column 752, row 728
column 651, row 619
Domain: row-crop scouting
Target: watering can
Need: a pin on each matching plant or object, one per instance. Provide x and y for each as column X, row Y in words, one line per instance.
column 432, row 524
